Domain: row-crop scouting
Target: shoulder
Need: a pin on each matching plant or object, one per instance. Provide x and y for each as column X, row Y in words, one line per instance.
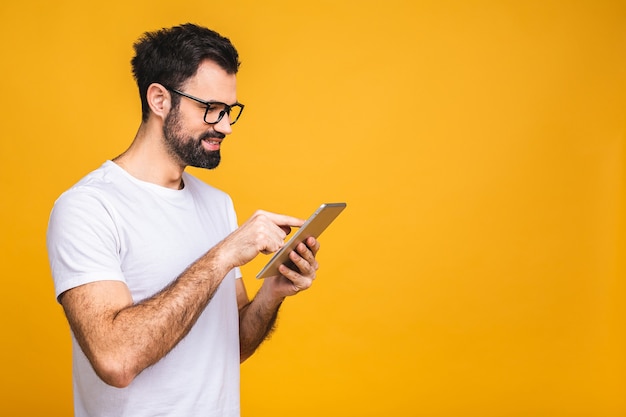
column 94, row 198
column 90, row 191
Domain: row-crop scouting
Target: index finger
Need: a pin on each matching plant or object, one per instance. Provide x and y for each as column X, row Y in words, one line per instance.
column 283, row 220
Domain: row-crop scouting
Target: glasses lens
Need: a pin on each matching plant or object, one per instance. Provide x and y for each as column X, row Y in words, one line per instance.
column 216, row 111
column 235, row 112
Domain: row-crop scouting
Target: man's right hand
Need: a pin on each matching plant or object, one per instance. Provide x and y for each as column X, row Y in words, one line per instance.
column 264, row 232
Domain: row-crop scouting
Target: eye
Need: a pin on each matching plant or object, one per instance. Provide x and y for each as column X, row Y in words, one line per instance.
column 215, row 107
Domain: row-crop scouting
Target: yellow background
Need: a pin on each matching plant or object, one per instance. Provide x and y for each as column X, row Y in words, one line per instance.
column 480, row 145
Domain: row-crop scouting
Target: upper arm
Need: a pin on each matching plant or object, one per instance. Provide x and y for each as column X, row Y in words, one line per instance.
column 90, row 310
column 95, row 299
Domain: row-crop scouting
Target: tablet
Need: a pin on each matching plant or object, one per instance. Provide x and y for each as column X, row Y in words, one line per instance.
column 314, row 226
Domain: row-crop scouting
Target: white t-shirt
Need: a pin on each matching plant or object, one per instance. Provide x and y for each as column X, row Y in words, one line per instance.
column 112, row 226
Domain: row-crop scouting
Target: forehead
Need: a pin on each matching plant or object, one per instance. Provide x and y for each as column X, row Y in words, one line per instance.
column 212, row 83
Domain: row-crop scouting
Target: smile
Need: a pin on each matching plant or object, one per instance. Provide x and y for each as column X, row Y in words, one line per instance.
column 211, row 144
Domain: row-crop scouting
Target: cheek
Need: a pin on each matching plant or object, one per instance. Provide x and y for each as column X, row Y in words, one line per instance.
column 193, row 128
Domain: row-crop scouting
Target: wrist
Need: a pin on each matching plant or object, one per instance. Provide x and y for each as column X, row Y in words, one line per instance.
column 270, row 295
column 220, row 257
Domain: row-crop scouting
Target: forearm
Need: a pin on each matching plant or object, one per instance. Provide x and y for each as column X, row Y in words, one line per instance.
column 166, row 318
column 256, row 322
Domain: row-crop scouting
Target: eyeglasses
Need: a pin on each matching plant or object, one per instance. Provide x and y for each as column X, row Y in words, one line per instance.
column 215, row 110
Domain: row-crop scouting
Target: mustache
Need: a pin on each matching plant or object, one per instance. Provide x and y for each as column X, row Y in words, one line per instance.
column 213, row 134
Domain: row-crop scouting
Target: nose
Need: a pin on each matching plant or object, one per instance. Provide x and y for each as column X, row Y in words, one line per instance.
column 223, row 125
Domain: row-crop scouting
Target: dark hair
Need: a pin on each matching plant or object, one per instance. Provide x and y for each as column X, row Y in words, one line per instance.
column 172, row 55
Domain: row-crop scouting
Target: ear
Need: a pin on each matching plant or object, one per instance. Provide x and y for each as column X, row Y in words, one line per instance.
column 158, row 100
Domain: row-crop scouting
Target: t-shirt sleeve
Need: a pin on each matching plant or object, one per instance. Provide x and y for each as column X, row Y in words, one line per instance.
column 83, row 245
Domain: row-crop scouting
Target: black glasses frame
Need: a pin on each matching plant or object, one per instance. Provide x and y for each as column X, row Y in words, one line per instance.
column 227, row 107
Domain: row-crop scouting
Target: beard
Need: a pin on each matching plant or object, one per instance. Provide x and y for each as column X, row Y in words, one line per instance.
column 189, row 150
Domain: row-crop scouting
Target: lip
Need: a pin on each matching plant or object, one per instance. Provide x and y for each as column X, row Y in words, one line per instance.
column 212, row 144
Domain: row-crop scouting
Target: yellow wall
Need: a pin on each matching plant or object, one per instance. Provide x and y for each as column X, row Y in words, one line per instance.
column 480, row 145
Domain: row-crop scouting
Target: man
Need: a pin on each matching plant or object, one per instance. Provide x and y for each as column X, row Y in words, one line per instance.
column 145, row 257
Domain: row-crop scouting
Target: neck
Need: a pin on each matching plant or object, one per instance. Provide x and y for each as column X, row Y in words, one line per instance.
column 148, row 160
